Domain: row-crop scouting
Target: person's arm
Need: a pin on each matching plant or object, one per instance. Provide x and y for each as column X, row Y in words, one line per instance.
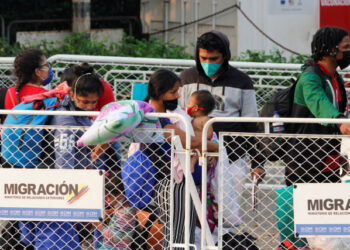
column 314, row 96
column 249, row 109
column 196, row 143
column 98, row 151
column 344, row 128
column 317, row 101
column 210, row 129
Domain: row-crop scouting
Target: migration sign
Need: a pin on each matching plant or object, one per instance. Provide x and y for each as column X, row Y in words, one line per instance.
column 51, row 194
column 322, row 209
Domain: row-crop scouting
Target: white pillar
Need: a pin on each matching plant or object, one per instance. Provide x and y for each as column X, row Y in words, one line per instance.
column 196, row 17
column 183, row 19
column 214, row 3
column 81, row 16
column 166, row 19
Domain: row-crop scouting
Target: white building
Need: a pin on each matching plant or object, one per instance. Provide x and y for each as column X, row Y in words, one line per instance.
column 289, row 22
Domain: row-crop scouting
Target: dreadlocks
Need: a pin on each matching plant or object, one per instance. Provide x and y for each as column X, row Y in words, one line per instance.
column 326, row 39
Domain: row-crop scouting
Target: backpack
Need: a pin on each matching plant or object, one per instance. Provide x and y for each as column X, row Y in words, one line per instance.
column 139, row 178
column 243, row 241
column 282, row 101
column 22, row 147
column 149, row 232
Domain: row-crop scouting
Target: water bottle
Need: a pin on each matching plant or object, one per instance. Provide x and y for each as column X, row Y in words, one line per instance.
column 277, row 127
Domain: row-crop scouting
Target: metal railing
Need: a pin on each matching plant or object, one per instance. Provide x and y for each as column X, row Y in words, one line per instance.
column 232, row 184
column 122, row 72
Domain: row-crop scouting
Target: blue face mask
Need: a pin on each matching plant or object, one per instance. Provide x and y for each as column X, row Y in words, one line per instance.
column 210, row 69
column 49, row 78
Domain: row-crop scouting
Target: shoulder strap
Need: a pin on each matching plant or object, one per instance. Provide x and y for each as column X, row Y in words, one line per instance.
column 14, row 102
column 316, row 69
column 3, row 92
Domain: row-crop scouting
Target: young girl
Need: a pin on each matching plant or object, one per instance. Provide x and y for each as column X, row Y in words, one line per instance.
column 201, row 103
column 118, row 232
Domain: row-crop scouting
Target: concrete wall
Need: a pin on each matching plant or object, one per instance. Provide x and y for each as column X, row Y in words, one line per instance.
column 291, row 23
column 153, row 16
column 34, row 37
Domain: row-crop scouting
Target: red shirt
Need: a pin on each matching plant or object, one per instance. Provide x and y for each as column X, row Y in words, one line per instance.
column 107, row 97
column 332, row 161
column 335, row 83
column 11, row 97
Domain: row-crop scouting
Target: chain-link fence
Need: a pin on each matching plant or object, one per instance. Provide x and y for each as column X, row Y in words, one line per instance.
column 122, row 72
column 6, row 67
column 261, row 215
column 144, row 208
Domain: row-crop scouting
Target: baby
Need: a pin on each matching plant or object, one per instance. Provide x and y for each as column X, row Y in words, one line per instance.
column 201, row 103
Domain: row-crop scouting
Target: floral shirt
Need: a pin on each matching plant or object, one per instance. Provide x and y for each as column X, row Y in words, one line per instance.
column 119, row 234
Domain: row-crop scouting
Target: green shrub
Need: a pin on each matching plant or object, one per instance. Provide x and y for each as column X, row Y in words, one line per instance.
column 80, row 44
column 275, row 56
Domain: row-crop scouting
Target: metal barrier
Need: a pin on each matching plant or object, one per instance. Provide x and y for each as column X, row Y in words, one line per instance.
column 232, row 187
column 121, row 72
column 123, row 226
column 243, row 207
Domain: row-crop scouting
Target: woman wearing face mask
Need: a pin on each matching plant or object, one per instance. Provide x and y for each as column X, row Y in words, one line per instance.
column 32, row 71
column 163, row 95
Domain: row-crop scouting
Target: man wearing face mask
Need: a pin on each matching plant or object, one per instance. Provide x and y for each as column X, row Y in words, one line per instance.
column 234, row 96
column 320, row 93
column 232, row 89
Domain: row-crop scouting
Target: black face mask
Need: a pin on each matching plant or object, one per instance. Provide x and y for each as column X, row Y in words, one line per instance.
column 343, row 63
column 77, row 108
column 170, row 104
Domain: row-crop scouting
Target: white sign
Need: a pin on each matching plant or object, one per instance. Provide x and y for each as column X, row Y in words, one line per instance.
column 51, row 194
column 322, row 209
column 281, row 7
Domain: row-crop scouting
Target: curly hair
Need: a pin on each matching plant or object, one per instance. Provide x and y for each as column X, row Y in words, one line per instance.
column 24, row 67
column 325, row 41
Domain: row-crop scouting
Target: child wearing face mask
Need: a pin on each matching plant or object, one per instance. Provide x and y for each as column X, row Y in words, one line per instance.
column 201, row 103
column 83, row 95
